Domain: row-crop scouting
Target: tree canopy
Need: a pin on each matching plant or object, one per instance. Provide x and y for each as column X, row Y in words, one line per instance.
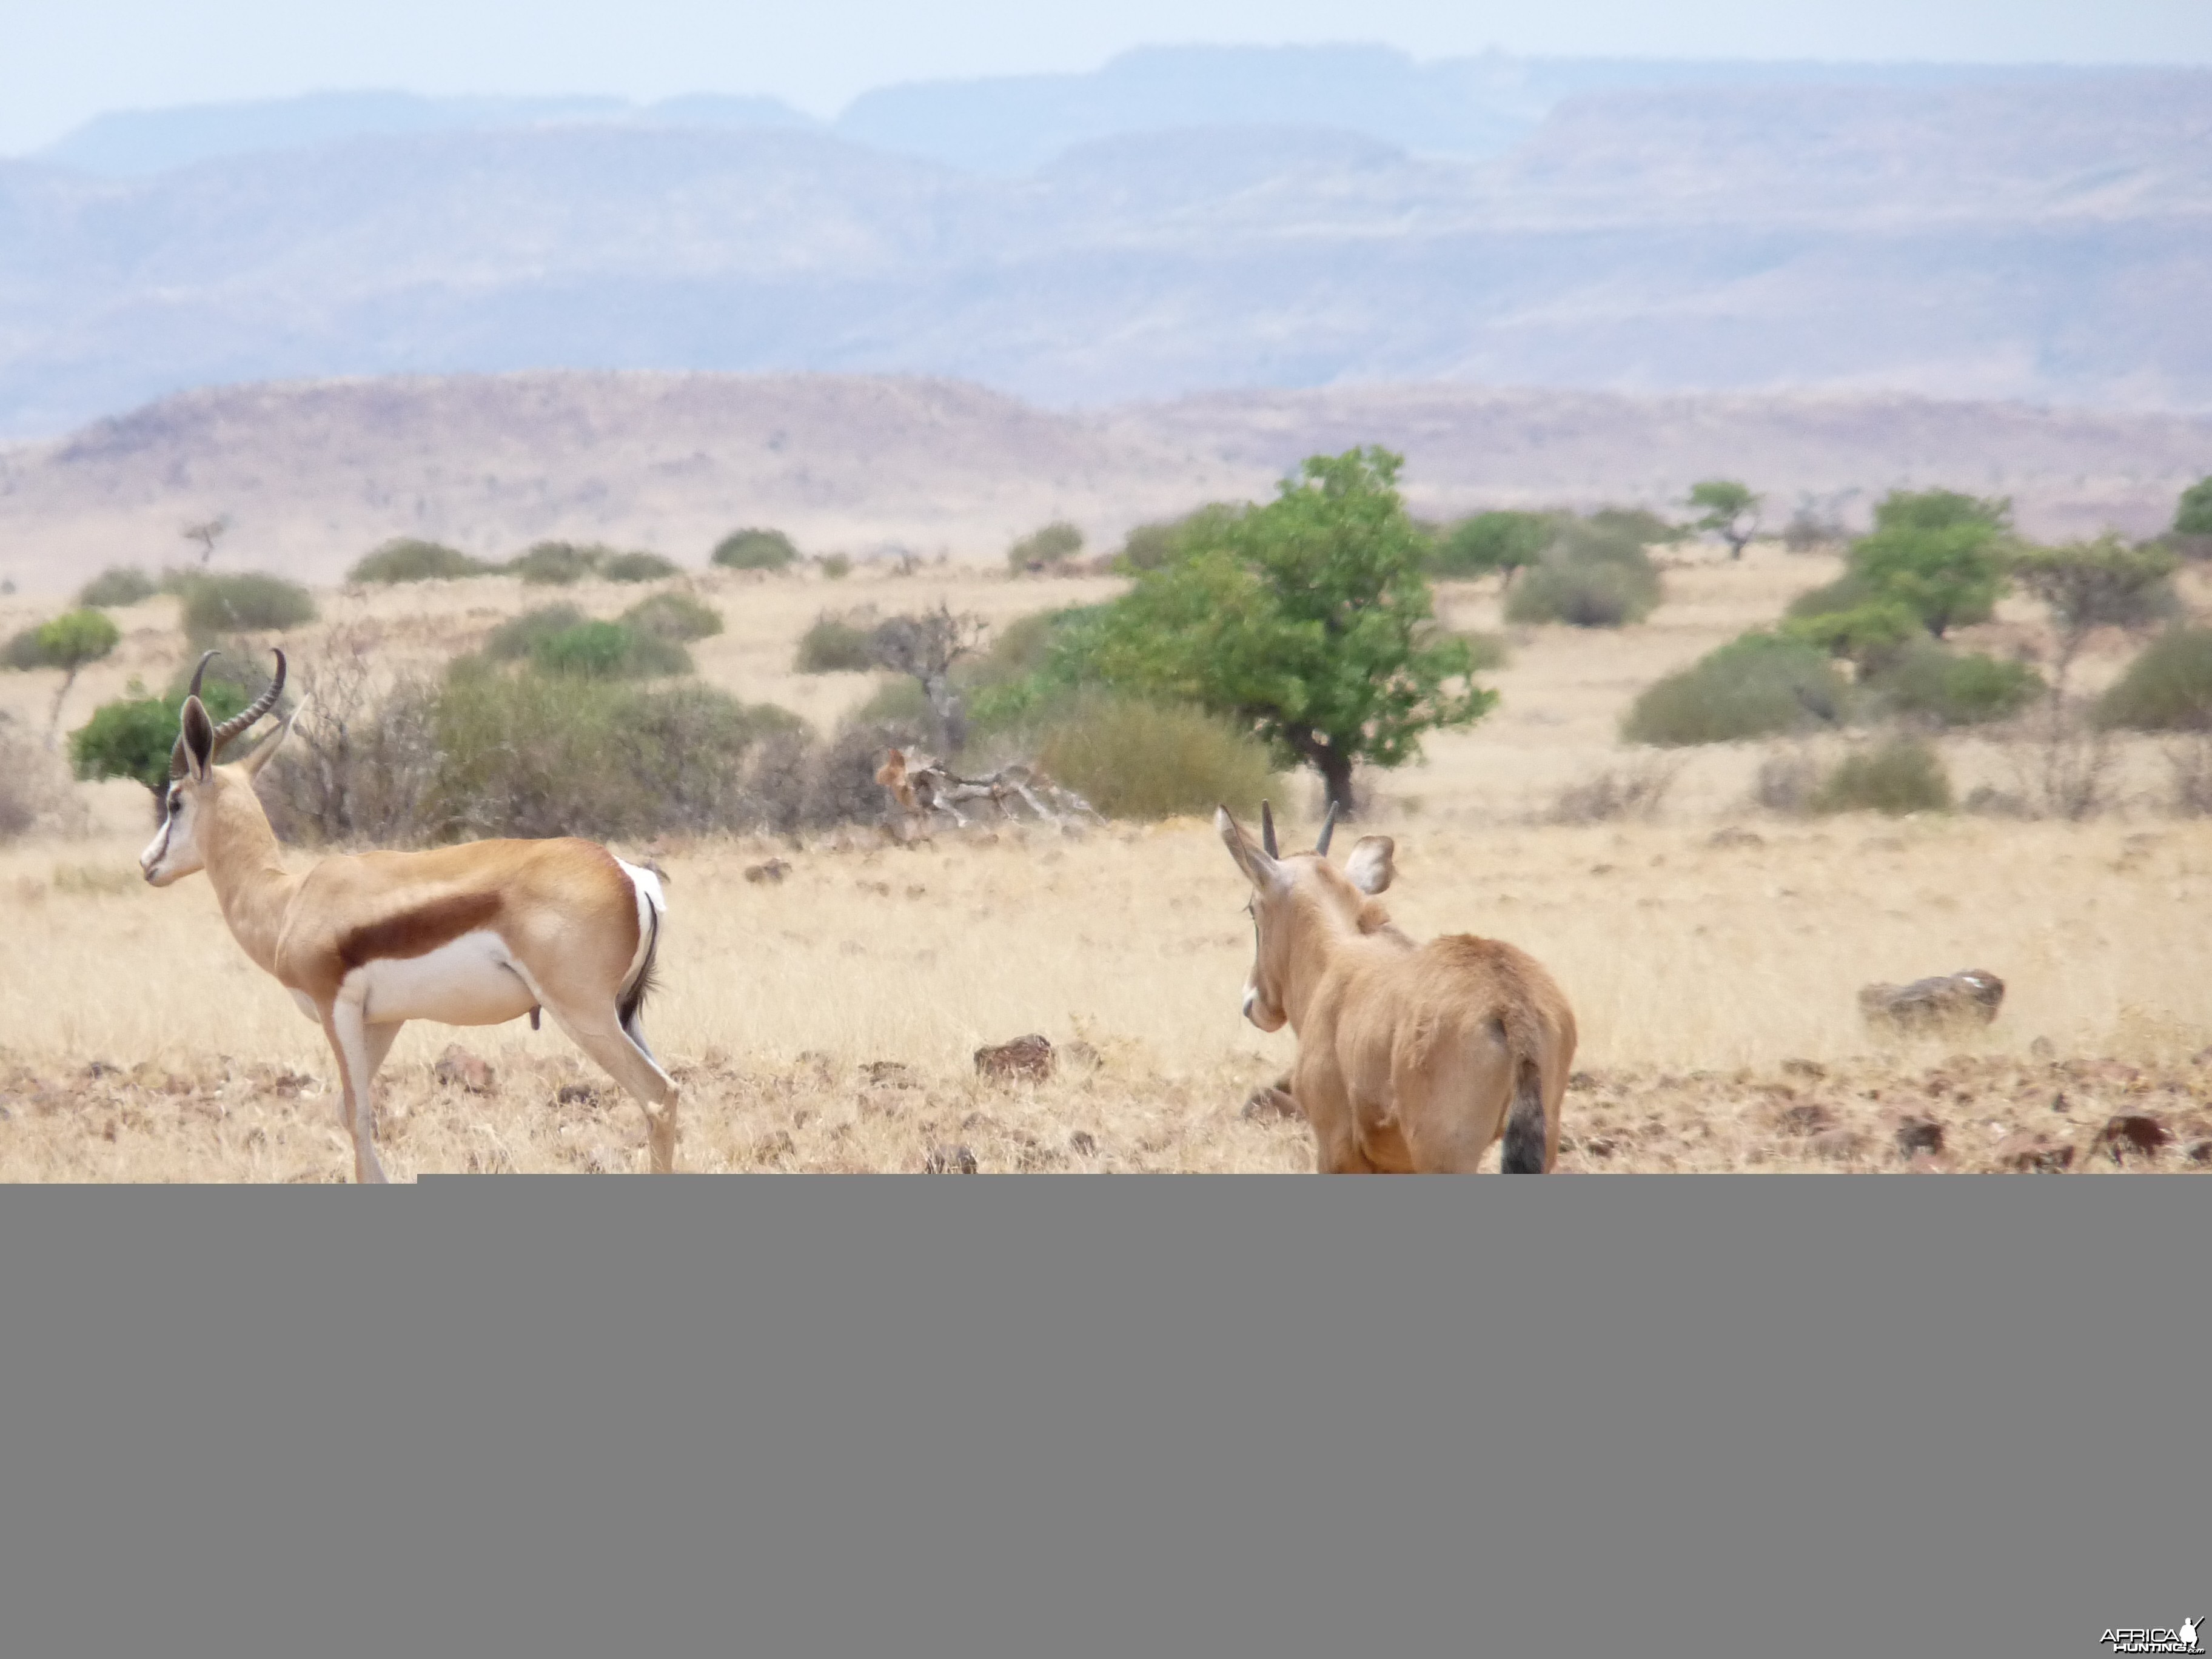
column 1309, row 618
column 2192, row 516
column 1940, row 553
column 1729, row 509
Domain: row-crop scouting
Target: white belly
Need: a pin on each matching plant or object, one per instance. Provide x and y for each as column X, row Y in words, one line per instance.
column 467, row 982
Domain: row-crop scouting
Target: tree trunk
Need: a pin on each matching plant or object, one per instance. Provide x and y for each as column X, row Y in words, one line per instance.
column 1335, row 768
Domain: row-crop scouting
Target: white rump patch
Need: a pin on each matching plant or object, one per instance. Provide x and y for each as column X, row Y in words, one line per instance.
column 468, row 981
column 651, row 903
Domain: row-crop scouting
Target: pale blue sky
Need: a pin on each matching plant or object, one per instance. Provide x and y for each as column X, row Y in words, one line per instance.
column 63, row 61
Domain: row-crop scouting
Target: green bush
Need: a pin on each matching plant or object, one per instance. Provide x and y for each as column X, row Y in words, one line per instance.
column 117, row 587
column 835, row 565
column 1134, row 759
column 899, row 701
column 1588, row 577
column 673, row 615
column 556, row 564
column 1046, row 549
column 1905, row 775
column 605, row 650
column 68, row 642
column 1848, row 592
column 558, row 754
column 2167, row 688
column 251, row 602
column 1149, row 546
column 1871, row 636
column 636, row 568
column 1929, row 682
column 835, row 645
column 1491, row 542
column 2192, row 514
column 133, row 737
column 518, row 636
column 755, row 549
column 1639, row 525
column 407, row 560
column 1752, row 687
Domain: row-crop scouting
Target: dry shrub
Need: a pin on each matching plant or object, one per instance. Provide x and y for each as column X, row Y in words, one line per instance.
column 1133, row 759
column 33, row 783
column 359, row 765
column 1785, row 784
column 1904, row 775
column 838, row 645
column 1634, row 792
column 2169, row 688
column 1755, row 686
column 251, row 602
column 2191, row 763
column 1592, row 575
column 2064, row 762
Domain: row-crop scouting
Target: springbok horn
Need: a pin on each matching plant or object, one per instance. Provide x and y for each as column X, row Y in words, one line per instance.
column 252, row 711
column 1267, row 830
column 1328, row 829
column 177, row 751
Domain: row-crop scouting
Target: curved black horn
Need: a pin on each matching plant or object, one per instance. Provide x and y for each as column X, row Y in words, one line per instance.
column 1267, row 830
column 199, row 671
column 252, row 711
column 1328, row 829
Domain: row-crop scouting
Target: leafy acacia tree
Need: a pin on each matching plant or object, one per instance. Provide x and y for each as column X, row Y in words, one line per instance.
column 1730, row 509
column 2193, row 515
column 1940, row 553
column 1309, row 618
column 131, row 737
column 2086, row 585
column 1503, row 541
column 68, row 642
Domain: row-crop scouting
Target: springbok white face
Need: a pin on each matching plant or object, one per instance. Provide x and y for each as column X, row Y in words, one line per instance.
column 1281, row 887
column 176, row 851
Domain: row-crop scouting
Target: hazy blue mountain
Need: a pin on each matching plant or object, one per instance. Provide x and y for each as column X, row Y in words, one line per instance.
column 1474, row 107
column 130, row 143
column 2044, row 239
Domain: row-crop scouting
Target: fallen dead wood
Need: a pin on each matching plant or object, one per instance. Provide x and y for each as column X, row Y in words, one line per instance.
column 921, row 787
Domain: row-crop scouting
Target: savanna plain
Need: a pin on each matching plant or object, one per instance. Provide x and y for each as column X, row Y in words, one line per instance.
column 828, row 1021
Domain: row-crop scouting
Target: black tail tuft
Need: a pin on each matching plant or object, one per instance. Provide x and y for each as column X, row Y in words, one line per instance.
column 635, row 994
column 1525, row 1137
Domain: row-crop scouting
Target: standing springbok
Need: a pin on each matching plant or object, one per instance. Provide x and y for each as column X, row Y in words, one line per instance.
column 470, row 935
column 1412, row 1058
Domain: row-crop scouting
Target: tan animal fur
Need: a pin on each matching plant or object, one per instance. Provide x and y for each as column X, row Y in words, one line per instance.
column 470, row 935
column 1412, row 1058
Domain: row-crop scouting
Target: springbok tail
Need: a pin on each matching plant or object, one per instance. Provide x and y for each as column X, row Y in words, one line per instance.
column 640, row 982
column 1526, row 1139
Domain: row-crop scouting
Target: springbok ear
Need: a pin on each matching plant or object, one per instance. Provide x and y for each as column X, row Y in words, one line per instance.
column 1259, row 869
column 260, row 757
column 1370, row 867
column 198, row 733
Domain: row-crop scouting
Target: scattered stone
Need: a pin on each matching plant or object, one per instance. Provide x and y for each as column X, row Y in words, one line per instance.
column 2028, row 1152
column 1974, row 995
column 1026, row 1057
column 1918, row 1134
column 892, row 1074
column 2058, row 1104
column 1082, row 1143
column 2129, row 1132
column 1583, row 1080
column 576, row 1094
column 1838, row 1143
column 2042, row 1049
column 774, row 1148
column 100, row 1068
column 1600, row 1147
column 948, row 1160
column 2198, row 1151
column 1733, row 837
column 770, row 870
column 457, row 1068
column 1811, row 1068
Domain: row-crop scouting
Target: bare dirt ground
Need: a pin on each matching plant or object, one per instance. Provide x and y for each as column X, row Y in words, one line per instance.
column 828, row 1022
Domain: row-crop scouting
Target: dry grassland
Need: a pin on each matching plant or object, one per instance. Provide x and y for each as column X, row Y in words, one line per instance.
column 828, row 1022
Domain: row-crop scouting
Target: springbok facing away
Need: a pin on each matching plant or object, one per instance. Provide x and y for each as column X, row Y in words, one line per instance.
column 470, row 935
column 1412, row 1058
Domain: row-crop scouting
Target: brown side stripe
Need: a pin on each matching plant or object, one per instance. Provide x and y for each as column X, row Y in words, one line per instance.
column 418, row 931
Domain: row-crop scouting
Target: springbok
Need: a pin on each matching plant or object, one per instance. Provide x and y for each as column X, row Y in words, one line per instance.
column 470, row 935
column 1412, row 1058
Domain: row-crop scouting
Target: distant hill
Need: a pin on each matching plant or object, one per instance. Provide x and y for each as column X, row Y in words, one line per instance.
column 2023, row 235
column 310, row 475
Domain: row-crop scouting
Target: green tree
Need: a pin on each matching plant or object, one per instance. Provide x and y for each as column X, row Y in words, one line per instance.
column 1304, row 619
column 1940, row 553
column 1730, row 510
column 755, row 549
column 68, row 642
column 2193, row 515
column 1503, row 542
column 2104, row 583
column 1045, row 550
column 131, row 737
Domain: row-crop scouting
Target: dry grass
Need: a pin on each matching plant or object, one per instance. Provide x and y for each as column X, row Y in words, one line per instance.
column 1698, row 972
column 1710, row 975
